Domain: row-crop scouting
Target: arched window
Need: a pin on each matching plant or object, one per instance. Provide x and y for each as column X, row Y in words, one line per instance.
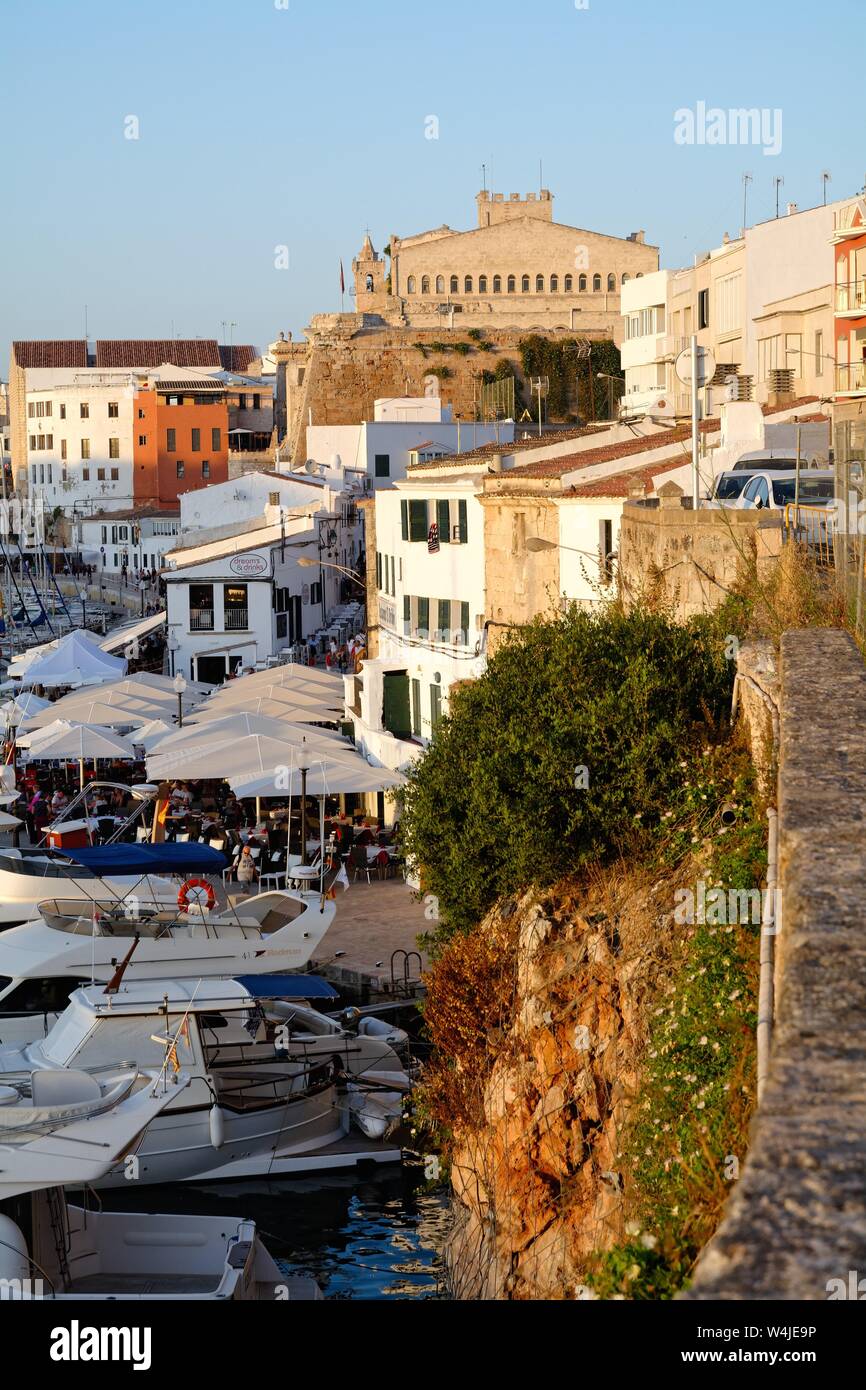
column 639, row 275
column 410, row 285
column 581, row 284
column 467, row 285
column 369, row 283
column 440, row 284
column 611, row 282
column 512, row 284
column 425, row 284
column 455, row 285
column 596, row 283
column 569, row 284
column 625, row 277
column 482, row 284
column 497, row 284
column 539, row 284
column 524, row 284
column 554, row 284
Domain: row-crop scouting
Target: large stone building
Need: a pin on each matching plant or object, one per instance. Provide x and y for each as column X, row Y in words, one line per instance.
column 517, row 268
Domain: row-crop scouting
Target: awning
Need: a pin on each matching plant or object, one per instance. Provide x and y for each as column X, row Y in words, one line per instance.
column 130, row 631
column 287, row 987
column 108, row 860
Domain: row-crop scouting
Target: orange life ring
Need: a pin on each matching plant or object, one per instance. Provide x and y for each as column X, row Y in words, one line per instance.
column 183, row 895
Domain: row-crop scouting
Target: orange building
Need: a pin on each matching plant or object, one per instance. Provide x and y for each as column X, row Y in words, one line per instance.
column 849, row 238
column 180, row 439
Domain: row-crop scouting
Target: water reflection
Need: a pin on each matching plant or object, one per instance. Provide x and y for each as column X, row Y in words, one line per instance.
column 373, row 1236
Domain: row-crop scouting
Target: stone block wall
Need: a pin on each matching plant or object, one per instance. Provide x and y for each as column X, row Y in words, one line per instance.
column 795, row 1222
column 691, row 560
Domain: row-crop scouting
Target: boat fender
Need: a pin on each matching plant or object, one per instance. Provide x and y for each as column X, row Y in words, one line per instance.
column 217, row 1127
column 14, row 1263
column 191, row 887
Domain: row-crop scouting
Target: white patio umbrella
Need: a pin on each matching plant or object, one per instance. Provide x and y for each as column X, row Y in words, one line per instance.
column 81, row 742
column 149, row 683
column 320, row 776
column 114, row 711
column 239, row 724
column 252, row 754
column 150, row 734
column 271, row 709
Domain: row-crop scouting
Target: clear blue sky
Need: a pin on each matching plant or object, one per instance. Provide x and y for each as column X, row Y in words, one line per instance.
column 262, row 126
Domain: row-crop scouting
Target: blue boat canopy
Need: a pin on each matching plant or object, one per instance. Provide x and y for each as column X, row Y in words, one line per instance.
column 106, row 861
column 287, row 986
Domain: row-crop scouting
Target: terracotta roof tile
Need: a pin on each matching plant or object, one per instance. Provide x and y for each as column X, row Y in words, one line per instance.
column 621, row 484
column 152, row 352
column 607, row 453
column 51, row 353
column 236, row 357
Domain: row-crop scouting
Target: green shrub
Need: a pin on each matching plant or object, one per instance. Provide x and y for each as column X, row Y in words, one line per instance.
column 493, row 805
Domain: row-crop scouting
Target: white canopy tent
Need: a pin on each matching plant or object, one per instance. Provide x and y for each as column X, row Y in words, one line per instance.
column 76, row 660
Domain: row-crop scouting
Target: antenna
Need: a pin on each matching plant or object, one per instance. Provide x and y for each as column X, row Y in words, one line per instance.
column 826, row 177
column 484, row 176
column 778, row 180
column 747, row 179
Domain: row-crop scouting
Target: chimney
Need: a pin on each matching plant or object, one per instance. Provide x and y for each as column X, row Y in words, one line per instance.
column 792, row 208
column 496, row 463
column 637, row 236
column 273, row 499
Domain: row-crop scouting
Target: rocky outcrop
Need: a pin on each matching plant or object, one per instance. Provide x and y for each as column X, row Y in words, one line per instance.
column 538, row 1178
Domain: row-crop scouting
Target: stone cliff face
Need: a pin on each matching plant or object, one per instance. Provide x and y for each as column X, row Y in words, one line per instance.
column 537, row 1176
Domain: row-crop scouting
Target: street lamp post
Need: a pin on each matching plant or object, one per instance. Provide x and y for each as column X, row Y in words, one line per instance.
column 179, row 688
column 142, row 586
column 330, row 565
column 82, row 594
column 173, row 648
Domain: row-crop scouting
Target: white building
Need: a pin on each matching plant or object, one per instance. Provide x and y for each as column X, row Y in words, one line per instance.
column 431, row 604
column 236, row 594
column 762, row 303
column 80, row 423
column 381, row 448
column 140, row 537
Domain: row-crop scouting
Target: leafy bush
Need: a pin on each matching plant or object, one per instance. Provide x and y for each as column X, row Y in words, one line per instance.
column 494, row 805
column 442, row 372
column 476, row 334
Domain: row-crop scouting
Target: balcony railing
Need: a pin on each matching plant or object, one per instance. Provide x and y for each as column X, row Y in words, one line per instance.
column 672, row 344
column 236, row 619
column 201, row 620
column 851, row 295
column 851, row 377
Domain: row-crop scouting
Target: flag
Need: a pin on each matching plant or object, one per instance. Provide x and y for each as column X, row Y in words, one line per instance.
column 342, row 280
column 433, row 539
column 341, row 877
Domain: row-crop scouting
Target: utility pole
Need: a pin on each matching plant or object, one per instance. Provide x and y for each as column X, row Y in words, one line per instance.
column 825, row 179
column 778, row 181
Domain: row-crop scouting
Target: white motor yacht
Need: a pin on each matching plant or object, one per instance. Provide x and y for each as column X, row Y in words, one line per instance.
column 67, row 1126
column 260, row 1102
column 43, row 961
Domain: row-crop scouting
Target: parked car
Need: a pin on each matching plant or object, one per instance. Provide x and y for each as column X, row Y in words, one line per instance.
column 777, row 490
column 777, row 460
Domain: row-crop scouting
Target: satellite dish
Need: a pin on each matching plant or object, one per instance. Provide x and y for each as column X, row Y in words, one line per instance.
column 310, row 466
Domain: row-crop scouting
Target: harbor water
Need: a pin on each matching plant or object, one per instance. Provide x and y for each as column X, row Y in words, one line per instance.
column 372, row 1235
